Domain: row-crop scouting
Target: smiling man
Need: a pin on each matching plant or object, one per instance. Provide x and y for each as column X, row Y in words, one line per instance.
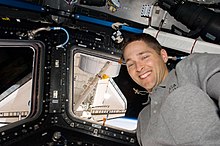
column 146, row 63
column 184, row 101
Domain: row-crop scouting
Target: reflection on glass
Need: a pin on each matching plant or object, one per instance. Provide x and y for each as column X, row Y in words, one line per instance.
column 96, row 96
column 16, row 83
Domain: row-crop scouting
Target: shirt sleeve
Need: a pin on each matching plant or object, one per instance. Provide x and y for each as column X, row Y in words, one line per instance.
column 213, row 87
column 138, row 133
column 202, row 70
column 142, row 124
column 198, row 68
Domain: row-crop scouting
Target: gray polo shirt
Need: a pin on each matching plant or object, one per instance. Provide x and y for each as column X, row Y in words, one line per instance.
column 181, row 111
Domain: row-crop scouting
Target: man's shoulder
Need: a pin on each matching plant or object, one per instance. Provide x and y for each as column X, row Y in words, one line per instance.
column 198, row 57
column 199, row 61
column 192, row 61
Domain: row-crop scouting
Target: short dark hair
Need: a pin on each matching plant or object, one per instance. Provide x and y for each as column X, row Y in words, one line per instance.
column 147, row 38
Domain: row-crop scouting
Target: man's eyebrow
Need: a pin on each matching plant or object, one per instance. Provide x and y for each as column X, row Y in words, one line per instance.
column 127, row 60
column 144, row 52
column 138, row 54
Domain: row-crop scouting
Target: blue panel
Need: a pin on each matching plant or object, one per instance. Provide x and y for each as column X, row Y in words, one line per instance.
column 22, row 5
column 107, row 23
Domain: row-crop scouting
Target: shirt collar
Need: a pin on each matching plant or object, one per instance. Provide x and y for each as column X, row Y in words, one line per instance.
column 169, row 83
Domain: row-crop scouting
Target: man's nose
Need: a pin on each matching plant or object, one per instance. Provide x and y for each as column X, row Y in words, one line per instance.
column 139, row 66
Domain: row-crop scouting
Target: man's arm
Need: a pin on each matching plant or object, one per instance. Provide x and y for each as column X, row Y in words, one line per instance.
column 213, row 87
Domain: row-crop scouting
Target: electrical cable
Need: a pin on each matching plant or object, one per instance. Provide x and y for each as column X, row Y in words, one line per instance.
column 67, row 36
column 193, row 46
column 161, row 23
column 175, row 58
column 31, row 34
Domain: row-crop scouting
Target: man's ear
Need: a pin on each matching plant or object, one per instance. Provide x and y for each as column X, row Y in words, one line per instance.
column 164, row 55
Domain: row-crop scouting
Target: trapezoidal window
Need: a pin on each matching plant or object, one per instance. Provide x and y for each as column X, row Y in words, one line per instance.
column 96, row 89
column 17, row 63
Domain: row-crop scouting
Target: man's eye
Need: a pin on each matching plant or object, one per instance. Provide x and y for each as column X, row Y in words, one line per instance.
column 144, row 57
column 130, row 65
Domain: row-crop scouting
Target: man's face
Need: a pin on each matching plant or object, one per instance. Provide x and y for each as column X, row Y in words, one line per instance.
column 145, row 66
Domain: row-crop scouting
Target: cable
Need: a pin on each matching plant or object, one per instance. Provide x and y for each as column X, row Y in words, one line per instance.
column 31, row 34
column 148, row 101
column 136, row 91
column 161, row 23
column 193, row 46
column 175, row 58
column 67, row 36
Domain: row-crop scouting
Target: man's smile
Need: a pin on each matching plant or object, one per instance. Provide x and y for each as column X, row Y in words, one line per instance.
column 145, row 75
